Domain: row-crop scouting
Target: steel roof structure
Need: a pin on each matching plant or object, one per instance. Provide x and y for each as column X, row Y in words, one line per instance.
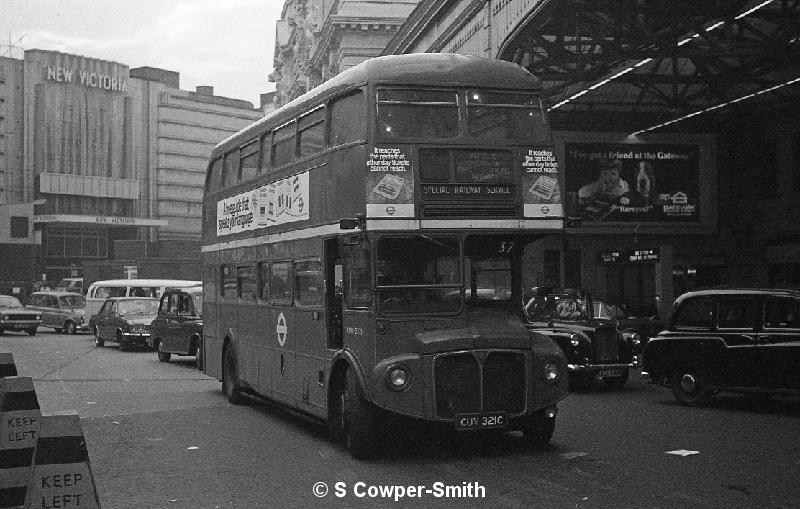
column 655, row 64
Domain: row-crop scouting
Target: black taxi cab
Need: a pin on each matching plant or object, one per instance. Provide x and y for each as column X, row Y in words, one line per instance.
column 178, row 327
column 595, row 348
column 743, row 340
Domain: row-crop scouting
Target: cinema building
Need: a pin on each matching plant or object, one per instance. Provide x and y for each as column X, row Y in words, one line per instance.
column 101, row 162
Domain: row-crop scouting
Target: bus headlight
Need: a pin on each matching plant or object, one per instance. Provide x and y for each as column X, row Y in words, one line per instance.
column 398, row 377
column 550, row 372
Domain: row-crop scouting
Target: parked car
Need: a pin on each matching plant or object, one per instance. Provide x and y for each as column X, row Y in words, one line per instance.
column 124, row 320
column 71, row 284
column 178, row 328
column 634, row 326
column 14, row 316
column 734, row 339
column 63, row 311
column 595, row 348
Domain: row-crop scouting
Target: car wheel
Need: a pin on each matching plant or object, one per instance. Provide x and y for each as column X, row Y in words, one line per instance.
column 229, row 377
column 617, row 383
column 97, row 340
column 69, row 327
column 539, row 429
column 198, row 357
column 690, row 389
column 32, row 331
column 361, row 420
column 162, row 355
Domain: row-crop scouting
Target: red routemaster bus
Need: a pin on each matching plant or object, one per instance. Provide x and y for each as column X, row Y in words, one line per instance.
column 362, row 251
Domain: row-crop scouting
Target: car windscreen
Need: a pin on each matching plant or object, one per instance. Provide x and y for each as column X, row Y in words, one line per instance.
column 138, row 307
column 8, row 301
column 72, row 301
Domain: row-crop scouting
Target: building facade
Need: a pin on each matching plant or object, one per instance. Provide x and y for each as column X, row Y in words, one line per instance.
column 95, row 155
column 317, row 39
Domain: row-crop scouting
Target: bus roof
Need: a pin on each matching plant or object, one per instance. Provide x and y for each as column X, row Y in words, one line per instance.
column 428, row 69
column 147, row 282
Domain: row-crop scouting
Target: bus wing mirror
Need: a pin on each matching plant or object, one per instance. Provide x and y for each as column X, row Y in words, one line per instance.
column 359, row 222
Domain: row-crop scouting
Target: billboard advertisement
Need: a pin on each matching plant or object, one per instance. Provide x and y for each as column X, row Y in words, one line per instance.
column 616, row 182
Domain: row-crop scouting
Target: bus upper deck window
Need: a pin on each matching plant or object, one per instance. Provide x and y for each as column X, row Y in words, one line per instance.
column 512, row 116
column 418, row 113
column 346, row 115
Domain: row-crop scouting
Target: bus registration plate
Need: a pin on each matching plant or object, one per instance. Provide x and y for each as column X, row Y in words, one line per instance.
column 485, row 420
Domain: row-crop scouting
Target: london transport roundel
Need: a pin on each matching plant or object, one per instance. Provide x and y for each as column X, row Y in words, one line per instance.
column 281, row 329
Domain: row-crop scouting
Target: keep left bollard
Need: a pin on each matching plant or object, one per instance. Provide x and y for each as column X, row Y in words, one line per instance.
column 20, row 420
column 62, row 476
column 7, row 366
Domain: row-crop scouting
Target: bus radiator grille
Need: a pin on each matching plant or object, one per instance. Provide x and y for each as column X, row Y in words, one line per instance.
column 504, row 382
column 457, row 382
column 606, row 348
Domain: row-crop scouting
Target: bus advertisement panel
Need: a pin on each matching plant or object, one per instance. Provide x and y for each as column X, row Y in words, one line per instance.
column 363, row 251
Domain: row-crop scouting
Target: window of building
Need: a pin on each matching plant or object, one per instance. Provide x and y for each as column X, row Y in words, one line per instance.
column 280, row 284
column 311, row 132
column 309, row 283
column 228, row 281
column 246, row 287
column 283, row 145
column 695, row 313
column 347, row 114
column 19, row 227
column 248, row 169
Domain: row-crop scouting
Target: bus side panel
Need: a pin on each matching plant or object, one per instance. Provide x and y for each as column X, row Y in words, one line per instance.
column 359, row 337
column 267, row 337
column 250, row 342
column 212, row 342
column 283, row 370
column 311, row 351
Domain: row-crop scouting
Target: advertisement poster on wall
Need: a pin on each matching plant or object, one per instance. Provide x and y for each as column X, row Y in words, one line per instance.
column 615, row 182
column 390, row 183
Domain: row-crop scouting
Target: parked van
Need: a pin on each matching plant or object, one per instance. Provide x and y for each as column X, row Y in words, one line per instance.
column 99, row 291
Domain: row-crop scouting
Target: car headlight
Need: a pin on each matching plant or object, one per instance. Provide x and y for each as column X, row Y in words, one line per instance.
column 4, row 317
column 38, row 317
column 398, row 377
column 633, row 338
column 550, row 372
column 574, row 340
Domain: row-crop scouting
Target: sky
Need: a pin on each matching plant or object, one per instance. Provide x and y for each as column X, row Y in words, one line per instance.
column 227, row 44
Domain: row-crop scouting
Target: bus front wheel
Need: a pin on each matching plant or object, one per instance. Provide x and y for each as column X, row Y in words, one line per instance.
column 360, row 420
column 539, row 429
column 229, row 378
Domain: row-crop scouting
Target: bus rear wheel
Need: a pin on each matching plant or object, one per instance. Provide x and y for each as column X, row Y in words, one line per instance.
column 229, row 378
column 360, row 420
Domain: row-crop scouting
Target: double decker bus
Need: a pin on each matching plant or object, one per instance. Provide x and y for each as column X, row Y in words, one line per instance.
column 362, row 251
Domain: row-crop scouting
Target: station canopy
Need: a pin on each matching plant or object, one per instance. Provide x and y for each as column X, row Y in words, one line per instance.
column 655, row 64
